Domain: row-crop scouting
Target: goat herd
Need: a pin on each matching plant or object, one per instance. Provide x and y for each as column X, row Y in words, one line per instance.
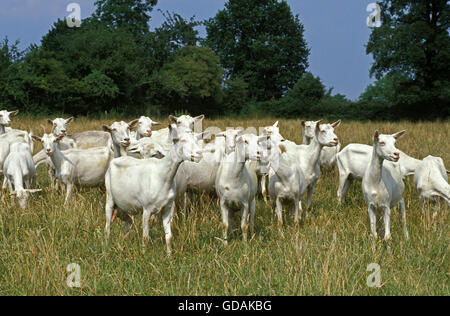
column 235, row 165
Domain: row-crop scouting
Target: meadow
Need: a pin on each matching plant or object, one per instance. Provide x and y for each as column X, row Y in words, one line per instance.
column 328, row 254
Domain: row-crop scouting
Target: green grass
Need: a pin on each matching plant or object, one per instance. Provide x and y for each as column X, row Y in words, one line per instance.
column 327, row 255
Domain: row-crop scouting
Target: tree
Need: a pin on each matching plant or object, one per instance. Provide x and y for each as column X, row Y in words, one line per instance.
column 413, row 44
column 192, row 81
column 133, row 15
column 260, row 41
column 299, row 101
column 174, row 33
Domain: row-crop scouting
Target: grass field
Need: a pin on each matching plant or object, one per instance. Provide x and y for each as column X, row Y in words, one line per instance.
column 327, row 255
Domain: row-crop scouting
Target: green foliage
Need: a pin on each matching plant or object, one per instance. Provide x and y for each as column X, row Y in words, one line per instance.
column 134, row 15
column 300, row 100
column 414, row 42
column 262, row 42
column 236, row 95
column 192, row 81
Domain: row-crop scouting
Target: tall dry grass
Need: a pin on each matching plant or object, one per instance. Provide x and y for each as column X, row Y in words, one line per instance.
column 327, row 255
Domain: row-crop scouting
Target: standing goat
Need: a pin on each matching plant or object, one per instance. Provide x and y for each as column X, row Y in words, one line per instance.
column 144, row 127
column 86, row 167
column 19, row 173
column 328, row 154
column 236, row 182
column 5, row 121
column 431, row 181
column 353, row 160
column 382, row 185
column 148, row 185
column 308, row 156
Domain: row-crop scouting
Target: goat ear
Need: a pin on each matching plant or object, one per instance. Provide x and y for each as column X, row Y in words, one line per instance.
column 106, row 128
column 156, row 123
column 133, row 123
column 173, row 119
column 49, row 121
column 33, row 190
column 399, row 134
column 318, row 125
column 36, row 138
column 199, row 118
column 133, row 149
column 336, row 124
column 276, row 124
column 376, row 136
column 221, row 134
column 282, row 148
column 70, row 119
column 14, row 112
column 59, row 138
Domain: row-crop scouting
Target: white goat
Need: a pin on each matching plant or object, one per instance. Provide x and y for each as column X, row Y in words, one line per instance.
column 236, row 181
column 86, row 167
column 431, row 181
column 120, row 135
column 19, row 173
column 144, row 128
column 328, row 154
column 353, row 160
column 183, row 123
column 299, row 164
column 9, row 138
column 275, row 137
column 383, row 185
column 5, row 121
column 308, row 156
column 155, row 191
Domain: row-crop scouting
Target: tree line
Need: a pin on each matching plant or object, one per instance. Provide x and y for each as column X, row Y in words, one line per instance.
column 252, row 61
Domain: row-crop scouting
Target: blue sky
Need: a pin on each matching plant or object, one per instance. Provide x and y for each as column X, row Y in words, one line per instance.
column 336, row 31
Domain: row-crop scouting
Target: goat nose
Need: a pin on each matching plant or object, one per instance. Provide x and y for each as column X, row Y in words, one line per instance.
column 397, row 154
column 149, row 132
column 126, row 139
column 336, row 139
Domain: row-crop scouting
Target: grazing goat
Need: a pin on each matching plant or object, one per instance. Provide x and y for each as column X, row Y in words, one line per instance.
column 148, row 185
column 19, row 173
column 86, row 167
column 353, row 160
column 382, row 185
column 236, row 181
column 431, row 181
column 328, row 154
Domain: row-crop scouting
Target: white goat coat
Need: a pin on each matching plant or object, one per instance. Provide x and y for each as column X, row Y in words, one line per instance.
column 19, row 168
column 431, row 179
